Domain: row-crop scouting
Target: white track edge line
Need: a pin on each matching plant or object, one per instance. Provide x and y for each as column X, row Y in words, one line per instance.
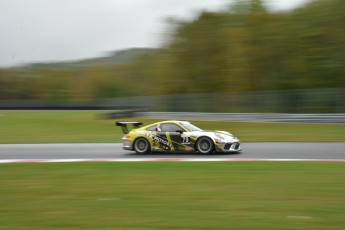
column 163, row 160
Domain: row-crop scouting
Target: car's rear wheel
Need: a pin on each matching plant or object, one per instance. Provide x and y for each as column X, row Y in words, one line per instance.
column 142, row 146
column 205, row 145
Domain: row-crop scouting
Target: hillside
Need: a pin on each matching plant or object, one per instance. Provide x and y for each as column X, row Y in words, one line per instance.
column 114, row 57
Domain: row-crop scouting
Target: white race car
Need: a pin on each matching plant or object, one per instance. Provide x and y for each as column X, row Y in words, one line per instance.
column 180, row 136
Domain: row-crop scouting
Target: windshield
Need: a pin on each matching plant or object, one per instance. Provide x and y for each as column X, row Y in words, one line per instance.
column 190, row 126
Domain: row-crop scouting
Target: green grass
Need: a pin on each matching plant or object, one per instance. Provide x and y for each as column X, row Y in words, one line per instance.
column 184, row 195
column 90, row 126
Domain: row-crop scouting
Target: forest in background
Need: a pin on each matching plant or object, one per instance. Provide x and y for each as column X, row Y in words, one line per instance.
column 242, row 48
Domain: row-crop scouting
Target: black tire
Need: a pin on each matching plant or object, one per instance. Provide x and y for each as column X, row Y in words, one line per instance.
column 205, row 145
column 142, row 146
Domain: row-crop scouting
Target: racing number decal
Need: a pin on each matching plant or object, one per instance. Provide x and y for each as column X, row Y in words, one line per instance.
column 185, row 140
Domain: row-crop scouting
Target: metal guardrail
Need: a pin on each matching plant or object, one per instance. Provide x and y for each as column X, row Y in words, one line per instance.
column 335, row 118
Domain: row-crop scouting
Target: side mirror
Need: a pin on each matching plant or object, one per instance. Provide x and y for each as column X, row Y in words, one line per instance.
column 179, row 131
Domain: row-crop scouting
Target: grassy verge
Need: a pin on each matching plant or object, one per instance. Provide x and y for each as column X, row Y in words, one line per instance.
column 246, row 195
column 90, row 126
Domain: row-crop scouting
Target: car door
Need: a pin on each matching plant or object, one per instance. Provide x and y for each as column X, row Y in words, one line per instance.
column 174, row 137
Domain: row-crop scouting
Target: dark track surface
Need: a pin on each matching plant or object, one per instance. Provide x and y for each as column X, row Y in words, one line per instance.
column 115, row 151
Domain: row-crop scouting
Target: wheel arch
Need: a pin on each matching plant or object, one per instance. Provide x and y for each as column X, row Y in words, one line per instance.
column 203, row 136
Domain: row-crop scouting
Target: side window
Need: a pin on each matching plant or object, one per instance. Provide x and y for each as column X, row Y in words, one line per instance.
column 151, row 128
column 169, row 127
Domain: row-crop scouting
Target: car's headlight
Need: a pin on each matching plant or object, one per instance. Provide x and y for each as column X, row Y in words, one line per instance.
column 221, row 136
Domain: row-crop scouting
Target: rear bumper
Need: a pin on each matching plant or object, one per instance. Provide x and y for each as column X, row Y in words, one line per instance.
column 126, row 144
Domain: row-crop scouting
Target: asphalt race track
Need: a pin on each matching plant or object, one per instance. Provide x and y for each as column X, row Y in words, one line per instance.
column 114, row 152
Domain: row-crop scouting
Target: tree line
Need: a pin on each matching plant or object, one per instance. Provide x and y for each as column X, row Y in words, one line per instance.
column 243, row 47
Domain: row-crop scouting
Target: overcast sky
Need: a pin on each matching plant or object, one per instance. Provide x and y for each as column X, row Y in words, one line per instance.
column 56, row 30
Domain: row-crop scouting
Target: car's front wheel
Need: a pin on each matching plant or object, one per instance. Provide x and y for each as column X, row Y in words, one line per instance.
column 205, row 145
column 142, row 146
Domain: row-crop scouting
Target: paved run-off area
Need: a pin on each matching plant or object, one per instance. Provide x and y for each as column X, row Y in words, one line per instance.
column 114, row 152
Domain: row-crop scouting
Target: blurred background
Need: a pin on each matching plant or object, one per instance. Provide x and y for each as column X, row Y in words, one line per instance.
column 225, row 56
